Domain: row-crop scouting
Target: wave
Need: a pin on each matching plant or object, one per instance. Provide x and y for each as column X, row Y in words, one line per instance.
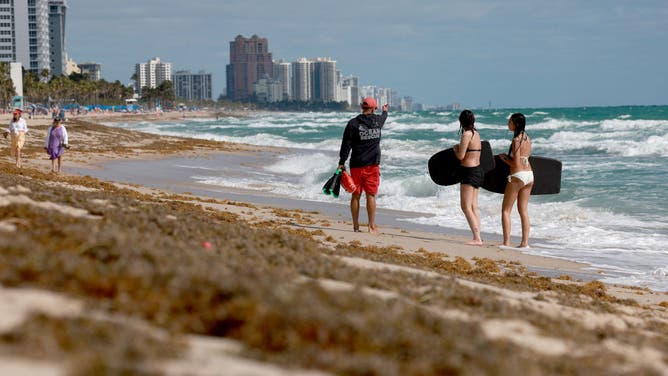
column 623, row 124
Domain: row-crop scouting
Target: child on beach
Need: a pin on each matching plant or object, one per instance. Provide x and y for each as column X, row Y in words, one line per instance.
column 362, row 136
column 520, row 180
column 468, row 152
column 18, row 129
column 56, row 143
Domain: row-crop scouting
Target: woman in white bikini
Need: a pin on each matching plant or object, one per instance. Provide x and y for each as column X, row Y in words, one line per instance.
column 520, row 180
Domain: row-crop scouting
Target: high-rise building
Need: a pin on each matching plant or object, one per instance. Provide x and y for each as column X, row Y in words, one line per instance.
column 407, row 104
column 152, row 73
column 267, row 89
column 301, row 80
column 250, row 60
column 24, row 33
column 38, row 35
column 57, row 13
column 192, row 86
column 282, row 74
column 93, row 70
column 324, row 80
column 351, row 91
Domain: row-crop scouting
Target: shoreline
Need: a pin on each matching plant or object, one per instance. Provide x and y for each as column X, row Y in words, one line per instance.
column 148, row 175
column 189, row 276
column 392, row 222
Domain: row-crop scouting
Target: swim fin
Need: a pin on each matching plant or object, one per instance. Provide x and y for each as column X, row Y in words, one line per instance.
column 329, row 185
column 337, row 184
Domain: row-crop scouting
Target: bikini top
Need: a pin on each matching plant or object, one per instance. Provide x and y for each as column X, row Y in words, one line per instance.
column 524, row 159
column 473, row 150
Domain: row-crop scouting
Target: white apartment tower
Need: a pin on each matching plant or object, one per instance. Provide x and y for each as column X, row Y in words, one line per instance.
column 301, row 80
column 57, row 13
column 24, row 33
column 192, row 86
column 152, row 73
column 282, row 74
column 324, row 82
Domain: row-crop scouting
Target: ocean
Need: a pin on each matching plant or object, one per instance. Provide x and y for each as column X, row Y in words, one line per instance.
column 611, row 213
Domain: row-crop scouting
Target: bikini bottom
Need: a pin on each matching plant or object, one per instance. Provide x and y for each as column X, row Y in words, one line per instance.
column 525, row 176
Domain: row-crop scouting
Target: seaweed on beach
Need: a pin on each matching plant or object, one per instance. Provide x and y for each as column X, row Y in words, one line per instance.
column 91, row 346
column 183, row 267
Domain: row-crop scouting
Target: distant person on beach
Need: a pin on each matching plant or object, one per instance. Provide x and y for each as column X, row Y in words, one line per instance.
column 362, row 136
column 520, row 180
column 468, row 152
column 55, row 144
column 17, row 129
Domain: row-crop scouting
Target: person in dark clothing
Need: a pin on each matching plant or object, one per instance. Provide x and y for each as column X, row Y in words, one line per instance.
column 468, row 152
column 362, row 136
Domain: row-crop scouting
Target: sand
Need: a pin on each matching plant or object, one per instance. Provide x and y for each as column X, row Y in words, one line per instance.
column 256, row 285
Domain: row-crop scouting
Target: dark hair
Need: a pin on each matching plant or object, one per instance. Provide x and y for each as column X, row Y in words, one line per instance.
column 466, row 121
column 520, row 123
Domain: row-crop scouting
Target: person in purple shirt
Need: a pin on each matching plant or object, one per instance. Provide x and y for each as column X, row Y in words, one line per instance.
column 56, row 143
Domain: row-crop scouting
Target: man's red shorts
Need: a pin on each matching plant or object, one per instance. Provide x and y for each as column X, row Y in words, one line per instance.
column 366, row 179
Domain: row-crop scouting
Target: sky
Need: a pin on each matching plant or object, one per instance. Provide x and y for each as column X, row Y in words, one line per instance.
column 478, row 53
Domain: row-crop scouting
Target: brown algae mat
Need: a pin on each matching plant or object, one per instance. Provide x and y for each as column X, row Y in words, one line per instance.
column 185, row 269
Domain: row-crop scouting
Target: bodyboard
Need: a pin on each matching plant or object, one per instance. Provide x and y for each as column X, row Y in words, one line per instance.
column 444, row 165
column 546, row 172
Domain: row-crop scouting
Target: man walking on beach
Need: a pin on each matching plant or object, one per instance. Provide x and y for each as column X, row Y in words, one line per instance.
column 362, row 135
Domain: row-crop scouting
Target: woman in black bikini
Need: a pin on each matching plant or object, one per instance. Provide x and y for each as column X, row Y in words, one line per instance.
column 472, row 175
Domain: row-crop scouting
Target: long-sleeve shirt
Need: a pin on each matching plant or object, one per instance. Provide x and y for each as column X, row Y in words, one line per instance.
column 48, row 134
column 362, row 136
column 17, row 126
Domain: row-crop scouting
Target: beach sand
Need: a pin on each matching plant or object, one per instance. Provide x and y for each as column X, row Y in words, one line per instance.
column 150, row 275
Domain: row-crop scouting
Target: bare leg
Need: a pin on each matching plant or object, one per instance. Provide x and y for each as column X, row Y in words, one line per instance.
column 523, row 209
column 18, row 157
column 355, row 210
column 509, row 197
column 469, row 204
column 371, row 211
column 59, row 163
column 53, row 165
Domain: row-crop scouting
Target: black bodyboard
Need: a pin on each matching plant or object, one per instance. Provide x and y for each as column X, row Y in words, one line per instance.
column 546, row 172
column 444, row 165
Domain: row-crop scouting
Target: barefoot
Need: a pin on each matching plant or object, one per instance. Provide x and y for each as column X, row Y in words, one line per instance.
column 474, row 242
column 374, row 230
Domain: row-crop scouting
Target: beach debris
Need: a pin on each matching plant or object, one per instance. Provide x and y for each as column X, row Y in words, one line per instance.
column 207, row 245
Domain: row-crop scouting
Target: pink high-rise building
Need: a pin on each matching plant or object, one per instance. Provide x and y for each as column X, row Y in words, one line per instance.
column 250, row 59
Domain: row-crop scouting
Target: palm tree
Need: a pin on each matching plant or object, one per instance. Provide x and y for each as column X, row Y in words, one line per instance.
column 7, row 90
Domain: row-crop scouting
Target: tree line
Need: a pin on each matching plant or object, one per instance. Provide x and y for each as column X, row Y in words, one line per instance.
column 77, row 88
column 80, row 89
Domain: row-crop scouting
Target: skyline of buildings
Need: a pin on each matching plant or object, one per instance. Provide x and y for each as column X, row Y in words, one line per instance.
column 316, row 79
column 33, row 32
